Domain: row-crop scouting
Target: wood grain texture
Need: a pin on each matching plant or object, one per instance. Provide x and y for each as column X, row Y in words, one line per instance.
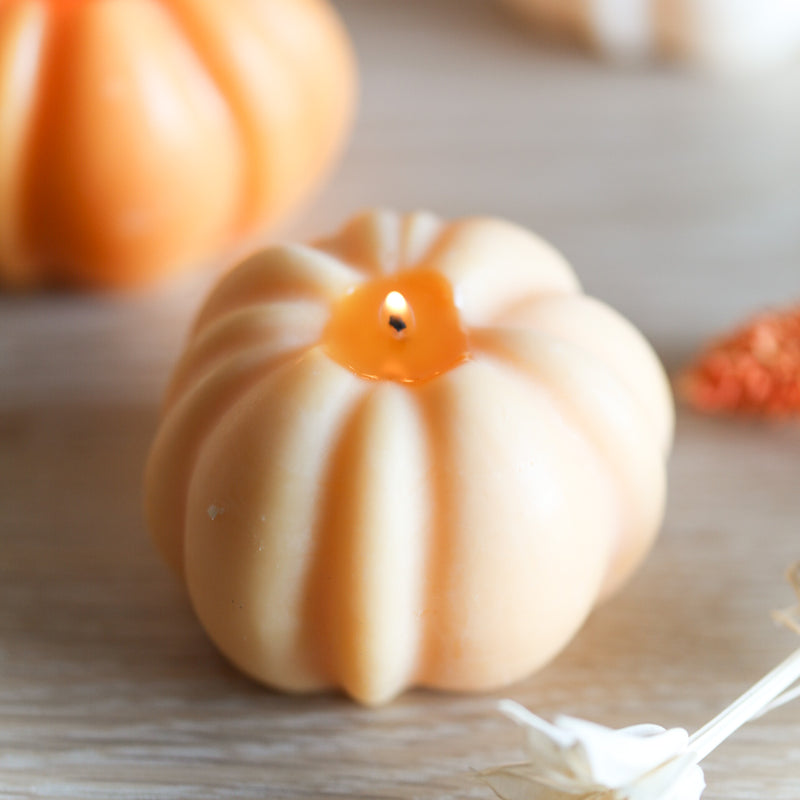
column 676, row 198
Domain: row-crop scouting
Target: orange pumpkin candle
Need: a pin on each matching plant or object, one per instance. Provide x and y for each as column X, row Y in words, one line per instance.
column 411, row 454
column 140, row 137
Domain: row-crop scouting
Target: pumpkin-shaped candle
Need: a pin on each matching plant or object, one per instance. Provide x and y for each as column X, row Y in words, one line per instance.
column 410, row 454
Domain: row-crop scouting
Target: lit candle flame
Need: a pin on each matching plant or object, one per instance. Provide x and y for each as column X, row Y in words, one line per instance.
column 397, row 314
column 395, row 304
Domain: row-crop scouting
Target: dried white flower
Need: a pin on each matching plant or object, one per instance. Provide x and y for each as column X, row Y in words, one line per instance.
column 572, row 759
column 576, row 760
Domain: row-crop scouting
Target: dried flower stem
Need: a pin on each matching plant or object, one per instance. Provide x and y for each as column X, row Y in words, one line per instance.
column 771, row 692
column 790, row 617
column 754, row 701
column 780, row 700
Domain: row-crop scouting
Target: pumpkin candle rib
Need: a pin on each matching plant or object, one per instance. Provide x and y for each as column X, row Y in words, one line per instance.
column 193, row 415
column 479, row 636
column 366, row 586
column 260, row 549
column 613, row 422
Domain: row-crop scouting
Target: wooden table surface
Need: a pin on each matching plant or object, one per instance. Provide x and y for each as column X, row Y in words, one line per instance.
column 676, row 197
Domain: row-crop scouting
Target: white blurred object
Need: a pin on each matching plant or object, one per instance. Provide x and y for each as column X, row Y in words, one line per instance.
column 573, row 759
column 577, row 760
column 729, row 35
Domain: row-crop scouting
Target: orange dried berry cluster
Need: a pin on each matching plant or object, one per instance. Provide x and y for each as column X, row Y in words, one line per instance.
column 755, row 370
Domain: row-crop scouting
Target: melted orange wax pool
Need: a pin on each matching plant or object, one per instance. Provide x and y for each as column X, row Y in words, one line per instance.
column 377, row 340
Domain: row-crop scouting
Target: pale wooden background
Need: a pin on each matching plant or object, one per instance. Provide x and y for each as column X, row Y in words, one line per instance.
column 678, row 201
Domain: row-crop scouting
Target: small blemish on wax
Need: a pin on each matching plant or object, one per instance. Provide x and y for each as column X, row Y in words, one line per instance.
column 215, row 511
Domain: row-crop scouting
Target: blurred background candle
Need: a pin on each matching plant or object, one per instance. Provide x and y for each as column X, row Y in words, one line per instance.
column 139, row 138
column 725, row 35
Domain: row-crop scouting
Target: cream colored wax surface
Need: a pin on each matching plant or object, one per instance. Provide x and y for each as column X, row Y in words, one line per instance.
column 723, row 34
column 335, row 531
